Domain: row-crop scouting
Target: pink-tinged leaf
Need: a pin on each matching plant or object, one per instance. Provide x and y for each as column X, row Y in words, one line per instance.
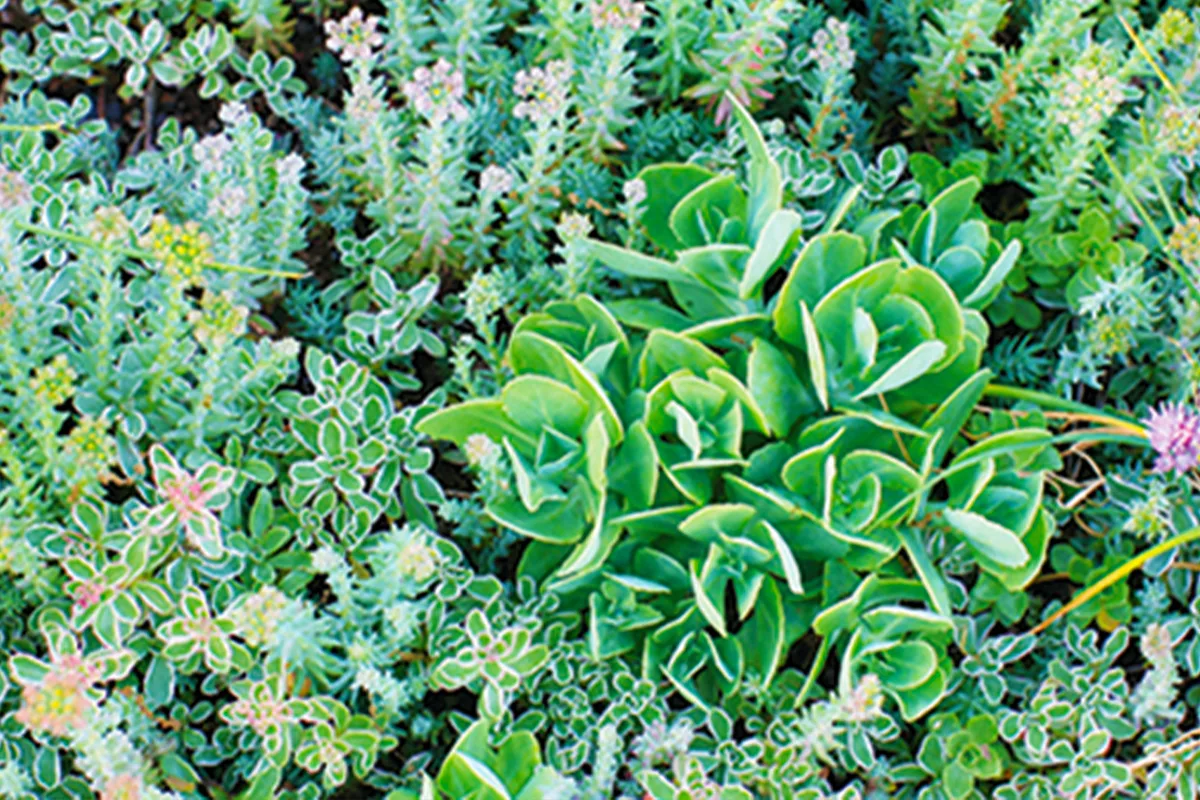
column 215, row 478
column 194, row 603
column 164, row 464
column 27, row 669
column 155, row 596
column 180, row 651
column 79, row 569
column 204, row 532
column 114, row 665
column 218, row 655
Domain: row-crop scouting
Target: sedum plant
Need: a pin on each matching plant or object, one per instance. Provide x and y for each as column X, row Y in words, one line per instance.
column 770, row 445
column 735, row 512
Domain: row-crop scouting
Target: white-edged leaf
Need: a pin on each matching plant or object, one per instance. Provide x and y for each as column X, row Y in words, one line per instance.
column 935, row 585
column 913, row 365
column 791, row 570
column 866, row 338
column 996, row 275
column 637, row 265
column 765, row 176
column 829, row 476
column 686, row 428
column 774, row 237
column 484, row 773
column 710, row 612
column 592, row 551
column 990, row 539
column 843, row 207
column 816, row 357
column 905, row 256
column 637, row 584
column 931, row 214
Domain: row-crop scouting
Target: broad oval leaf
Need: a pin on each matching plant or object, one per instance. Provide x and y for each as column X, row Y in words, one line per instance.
column 995, row 541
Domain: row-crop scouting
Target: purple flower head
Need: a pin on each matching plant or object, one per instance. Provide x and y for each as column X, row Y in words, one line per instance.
column 1175, row 435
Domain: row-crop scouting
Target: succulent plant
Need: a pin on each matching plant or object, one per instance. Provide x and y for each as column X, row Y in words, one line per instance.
column 713, row 471
column 742, row 514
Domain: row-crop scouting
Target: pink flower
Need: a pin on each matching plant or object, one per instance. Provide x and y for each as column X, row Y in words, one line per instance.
column 186, row 495
column 543, row 92
column 437, row 93
column 88, row 594
column 354, row 36
column 125, row 786
column 190, row 501
column 1174, row 433
column 617, row 14
column 14, row 189
column 58, row 705
column 84, row 669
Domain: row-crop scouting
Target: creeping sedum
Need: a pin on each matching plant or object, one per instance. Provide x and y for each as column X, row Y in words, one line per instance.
column 472, row 401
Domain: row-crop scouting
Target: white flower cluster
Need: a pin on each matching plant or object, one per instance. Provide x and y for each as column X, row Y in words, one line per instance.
column 112, row 763
column 437, row 93
column 353, row 37
column 659, row 744
column 234, row 114
column 572, row 226
column 289, row 169
column 1087, row 98
column 14, row 782
column 287, row 348
column 634, row 191
column 617, row 14
column 543, row 91
column 14, row 189
column 364, row 105
column 210, row 152
column 484, row 296
column 1154, row 698
column 831, row 47
column 1181, row 130
column 495, row 180
column 864, row 702
column 229, row 203
column 258, row 616
column 404, row 617
column 417, row 559
column 326, row 560
column 109, row 225
column 480, row 450
column 1185, row 240
column 383, row 688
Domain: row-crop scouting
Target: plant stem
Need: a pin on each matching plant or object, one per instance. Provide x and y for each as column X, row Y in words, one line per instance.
column 1166, row 201
column 1162, row 76
column 1050, row 401
column 817, row 666
column 1117, row 574
column 12, row 127
column 144, row 255
column 1108, row 436
column 1141, row 209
